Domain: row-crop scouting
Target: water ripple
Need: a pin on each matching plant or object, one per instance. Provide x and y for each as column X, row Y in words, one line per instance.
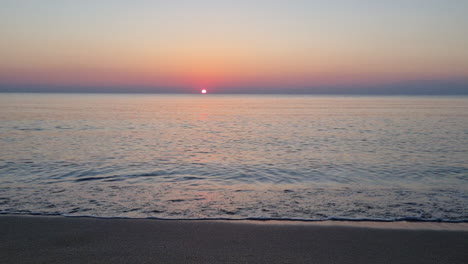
column 233, row 157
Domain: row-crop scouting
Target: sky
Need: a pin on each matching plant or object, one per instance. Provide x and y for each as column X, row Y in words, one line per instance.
column 240, row 46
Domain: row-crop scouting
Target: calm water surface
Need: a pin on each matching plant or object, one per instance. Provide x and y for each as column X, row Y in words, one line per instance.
column 281, row 157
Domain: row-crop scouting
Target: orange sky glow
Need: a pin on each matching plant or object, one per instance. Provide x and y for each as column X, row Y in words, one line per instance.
column 216, row 44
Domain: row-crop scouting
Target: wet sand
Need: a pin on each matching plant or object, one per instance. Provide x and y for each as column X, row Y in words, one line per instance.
column 42, row 239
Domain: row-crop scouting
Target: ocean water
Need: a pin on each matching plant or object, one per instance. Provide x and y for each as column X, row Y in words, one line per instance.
column 234, row 157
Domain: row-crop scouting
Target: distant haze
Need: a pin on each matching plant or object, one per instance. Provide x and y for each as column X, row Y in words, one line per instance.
column 403, row 88
column 255, row 46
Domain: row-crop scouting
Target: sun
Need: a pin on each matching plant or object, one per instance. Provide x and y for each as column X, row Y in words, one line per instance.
column 203, row 91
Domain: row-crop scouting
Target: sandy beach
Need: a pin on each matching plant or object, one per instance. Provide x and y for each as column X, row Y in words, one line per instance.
column 43, row 239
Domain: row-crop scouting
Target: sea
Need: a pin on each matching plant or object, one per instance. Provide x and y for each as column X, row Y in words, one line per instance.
column 259, row 157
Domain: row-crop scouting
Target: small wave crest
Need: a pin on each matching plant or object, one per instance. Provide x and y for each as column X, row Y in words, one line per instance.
column 260, row 219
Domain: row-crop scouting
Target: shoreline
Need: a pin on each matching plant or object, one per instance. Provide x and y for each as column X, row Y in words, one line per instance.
column 365, row 223
column 59, row 239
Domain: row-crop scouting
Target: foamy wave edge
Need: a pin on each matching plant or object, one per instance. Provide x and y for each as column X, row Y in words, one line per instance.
column 259, row 219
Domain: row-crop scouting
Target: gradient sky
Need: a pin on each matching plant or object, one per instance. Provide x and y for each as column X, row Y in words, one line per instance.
column 187, row 45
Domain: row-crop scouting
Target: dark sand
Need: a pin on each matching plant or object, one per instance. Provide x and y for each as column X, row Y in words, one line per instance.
column 41, row 239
